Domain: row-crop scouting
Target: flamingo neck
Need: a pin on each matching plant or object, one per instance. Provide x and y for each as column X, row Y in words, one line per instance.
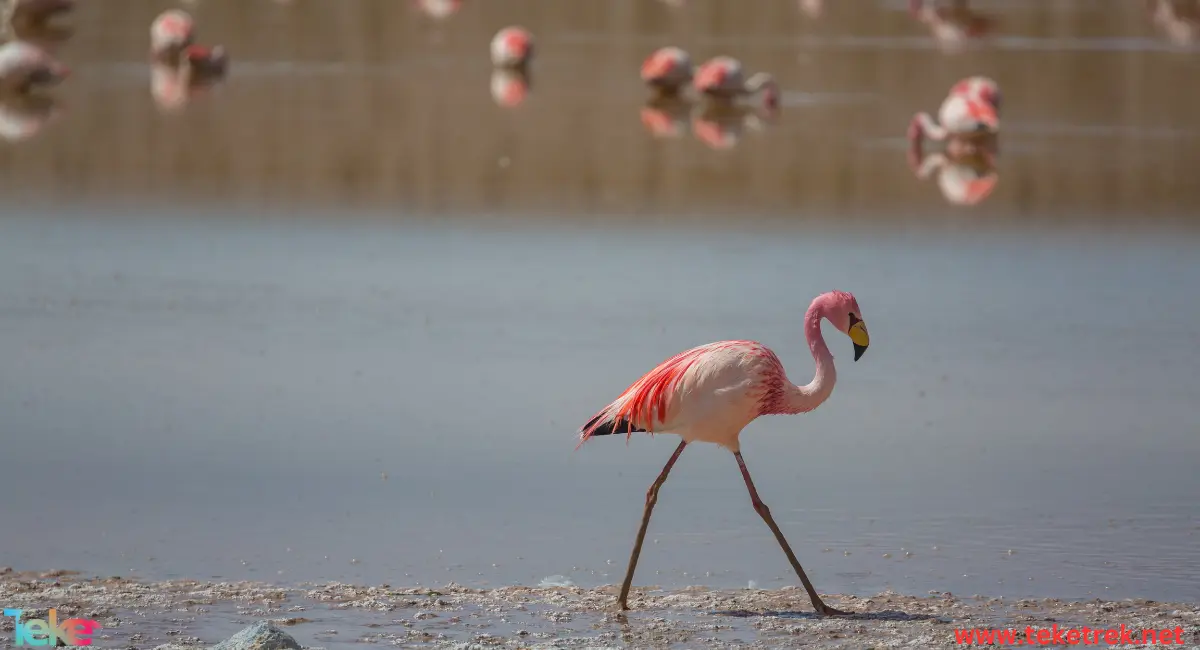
column 760, row 81
column 801, row 399
column 930, row 126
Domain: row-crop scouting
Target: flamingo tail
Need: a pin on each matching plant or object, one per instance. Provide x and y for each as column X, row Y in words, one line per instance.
column 599, row 426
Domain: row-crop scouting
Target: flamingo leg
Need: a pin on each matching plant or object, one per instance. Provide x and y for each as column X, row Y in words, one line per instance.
column 765, row 513
column 651, row 499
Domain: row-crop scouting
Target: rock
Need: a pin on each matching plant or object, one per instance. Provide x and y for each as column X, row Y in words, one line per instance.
column 261, row 636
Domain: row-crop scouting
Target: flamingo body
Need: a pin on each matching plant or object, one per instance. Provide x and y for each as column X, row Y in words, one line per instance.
column 979, row 88
column 711, row 392
column 722, row 78
column 512, row 47
column 668, row 69
column 958, row 117
column 34, row 12
column 24, row 66
column 170, row 33
column 439, row 9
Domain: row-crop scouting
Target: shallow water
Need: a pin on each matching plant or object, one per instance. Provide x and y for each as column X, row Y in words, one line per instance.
column 325, row 332
column 210, row 400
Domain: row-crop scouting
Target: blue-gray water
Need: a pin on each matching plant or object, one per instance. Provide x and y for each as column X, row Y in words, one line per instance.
column 221, row 396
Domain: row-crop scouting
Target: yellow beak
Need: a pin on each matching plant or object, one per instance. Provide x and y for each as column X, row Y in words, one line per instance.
column 858, row 334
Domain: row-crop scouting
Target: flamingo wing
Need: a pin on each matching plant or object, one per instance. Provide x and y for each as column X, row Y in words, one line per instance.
column 671, row 394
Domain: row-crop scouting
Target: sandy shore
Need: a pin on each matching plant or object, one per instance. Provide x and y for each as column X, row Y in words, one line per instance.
column 187, row 613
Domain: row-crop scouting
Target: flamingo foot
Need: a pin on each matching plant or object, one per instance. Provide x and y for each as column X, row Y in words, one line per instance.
column 826, row 610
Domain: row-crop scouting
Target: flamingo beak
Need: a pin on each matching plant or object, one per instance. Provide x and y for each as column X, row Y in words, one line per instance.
column 858, row 334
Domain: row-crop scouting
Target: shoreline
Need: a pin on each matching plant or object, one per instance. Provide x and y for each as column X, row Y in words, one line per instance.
column 190, row 614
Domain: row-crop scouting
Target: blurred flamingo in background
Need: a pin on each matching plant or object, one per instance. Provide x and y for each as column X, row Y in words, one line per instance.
column 172, row 44
column 962, row 121
column 1179, row 20
column 721, row 78
column 979, row 88
column 512, row 47
column 439, row 9
column 24, row 67
column 509, row 87
column 23, row 117
column 812, row 8
column 23, row 15
column 952, row 26
column 667, row 70
column 710, row 393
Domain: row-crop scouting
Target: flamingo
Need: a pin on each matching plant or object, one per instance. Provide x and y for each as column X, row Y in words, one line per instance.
column 951, row 27
column 980, row 88
column 34, row 14
column 668, row 70
column 24, row 66
column 721, row 78
column 512, row 47
column 710, row 393
column 172, row 44
column 960, row 118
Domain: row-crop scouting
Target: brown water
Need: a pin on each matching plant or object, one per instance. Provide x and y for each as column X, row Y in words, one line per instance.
column 339, row 319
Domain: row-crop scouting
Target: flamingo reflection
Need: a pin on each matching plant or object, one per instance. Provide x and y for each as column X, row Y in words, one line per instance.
column 719, row 126
column 24, row 116
column 510, row 87
column 1179, row 20
column 965, row 177
column 952, row 26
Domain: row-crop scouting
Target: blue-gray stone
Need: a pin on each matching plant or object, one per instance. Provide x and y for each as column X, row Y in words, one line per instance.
column 260, row 636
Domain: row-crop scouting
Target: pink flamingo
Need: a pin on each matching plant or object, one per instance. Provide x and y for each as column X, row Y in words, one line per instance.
column 172, row 44
column 668, row 70
column 960, row 118
column 24, row 66
column 979, row 88
column 33, row 14
column 710, row 393
column 512, row 47
column 721, row 78
column 952, row 27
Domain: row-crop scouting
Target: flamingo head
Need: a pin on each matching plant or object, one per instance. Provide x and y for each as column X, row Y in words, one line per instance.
column 841, row 309
column 173, row 29
column 512, row 46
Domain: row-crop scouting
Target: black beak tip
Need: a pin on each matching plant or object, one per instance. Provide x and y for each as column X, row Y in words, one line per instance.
column 858, row 351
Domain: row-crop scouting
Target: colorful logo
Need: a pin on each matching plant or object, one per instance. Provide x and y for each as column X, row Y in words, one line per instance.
column 36, row 631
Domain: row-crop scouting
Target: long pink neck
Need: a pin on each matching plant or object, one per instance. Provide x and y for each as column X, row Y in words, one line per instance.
column 801, row 399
